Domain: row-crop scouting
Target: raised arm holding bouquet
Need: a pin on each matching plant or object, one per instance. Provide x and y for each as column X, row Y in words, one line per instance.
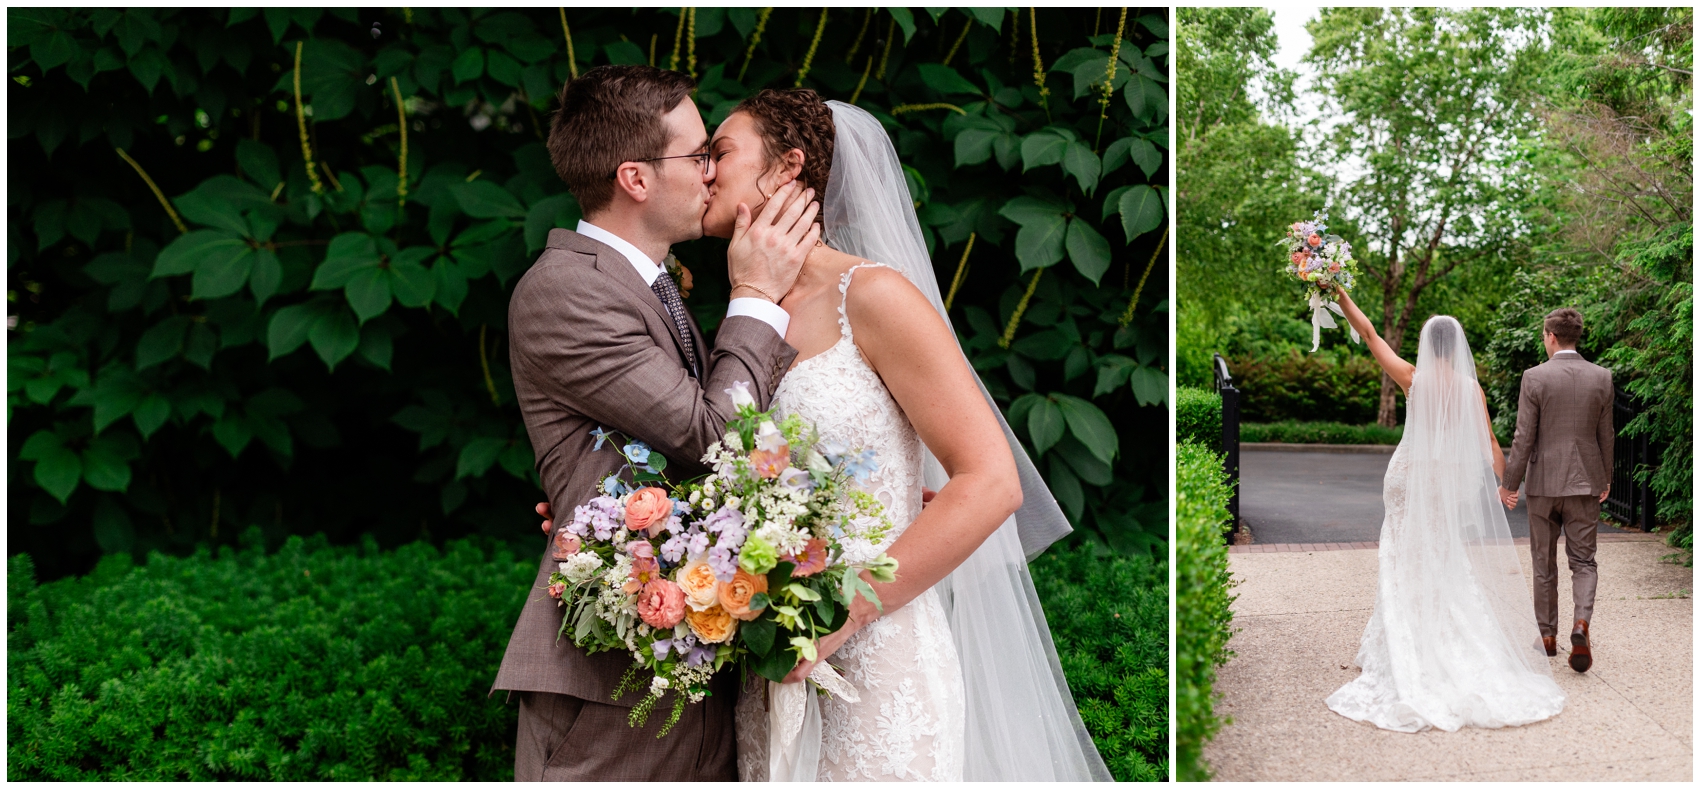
column 1324, row 262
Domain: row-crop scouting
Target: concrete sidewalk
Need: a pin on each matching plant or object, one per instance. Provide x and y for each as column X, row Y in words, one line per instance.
column 1299, row 616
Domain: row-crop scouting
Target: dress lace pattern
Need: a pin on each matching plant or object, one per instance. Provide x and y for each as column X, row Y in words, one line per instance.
column 909, row 724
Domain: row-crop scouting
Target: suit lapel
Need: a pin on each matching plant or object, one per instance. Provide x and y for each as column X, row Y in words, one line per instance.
column 609, row 261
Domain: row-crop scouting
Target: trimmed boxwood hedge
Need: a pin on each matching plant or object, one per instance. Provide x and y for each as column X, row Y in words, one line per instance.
column 1203, row 620
column 311, row 663
column 1198, row 416
column 1290, row 432
column 325, row 663
column 1109, row 616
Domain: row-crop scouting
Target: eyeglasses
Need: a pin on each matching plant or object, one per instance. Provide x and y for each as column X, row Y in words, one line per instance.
column 705, row 156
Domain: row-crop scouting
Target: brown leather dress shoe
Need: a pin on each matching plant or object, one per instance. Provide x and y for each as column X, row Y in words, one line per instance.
column 1551, row 645
column 1581, row 655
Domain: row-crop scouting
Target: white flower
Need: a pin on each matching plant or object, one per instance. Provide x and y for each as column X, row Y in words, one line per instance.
column 768, row 437
column 658, row 686
column 581, row 567
column 696, row 496
column 740, row 394
column 733, row 501
column 707, row 505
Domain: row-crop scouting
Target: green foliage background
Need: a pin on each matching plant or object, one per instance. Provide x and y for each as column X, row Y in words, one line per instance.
column 314, row 351
column 1580, row 193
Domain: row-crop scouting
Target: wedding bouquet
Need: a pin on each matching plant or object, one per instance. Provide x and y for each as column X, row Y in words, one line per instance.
column 743, row 566
column 1324, row 261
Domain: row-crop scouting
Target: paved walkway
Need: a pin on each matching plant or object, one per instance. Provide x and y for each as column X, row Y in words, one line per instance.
column 1299, row 615
column 1323, row 497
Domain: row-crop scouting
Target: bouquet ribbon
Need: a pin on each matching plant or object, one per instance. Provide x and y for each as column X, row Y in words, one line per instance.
column 793, row 723
column 1320, row 319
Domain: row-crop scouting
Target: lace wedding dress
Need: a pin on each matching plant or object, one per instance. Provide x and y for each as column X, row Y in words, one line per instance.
column 1453, row 640
column 908, row 724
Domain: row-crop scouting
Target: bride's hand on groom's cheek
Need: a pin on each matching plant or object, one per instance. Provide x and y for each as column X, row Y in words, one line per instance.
column 768, row 249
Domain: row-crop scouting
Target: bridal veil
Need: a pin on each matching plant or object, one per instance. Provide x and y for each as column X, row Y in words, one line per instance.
column 1022, row 721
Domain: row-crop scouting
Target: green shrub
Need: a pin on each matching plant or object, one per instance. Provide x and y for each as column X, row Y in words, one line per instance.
column 310, row 664
column 1203, row 619
column 332, row 663
column 1198, row 416
column 1109, row 616
column 1337, row 385
column 1291, row 432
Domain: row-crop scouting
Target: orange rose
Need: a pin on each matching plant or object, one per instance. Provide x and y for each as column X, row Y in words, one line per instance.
column 701, row 588
column 713, row 625
column 648, row 509
column 735, row 596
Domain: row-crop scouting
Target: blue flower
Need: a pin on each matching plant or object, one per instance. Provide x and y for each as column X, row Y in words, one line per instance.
column 862, row 465
column 638, row 453
column 601, row 436
column 611, row 486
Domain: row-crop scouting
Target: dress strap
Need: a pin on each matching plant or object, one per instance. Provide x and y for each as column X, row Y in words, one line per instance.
column 844, row 295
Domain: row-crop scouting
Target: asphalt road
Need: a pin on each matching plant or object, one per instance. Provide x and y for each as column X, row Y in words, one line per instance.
column 1323, row 497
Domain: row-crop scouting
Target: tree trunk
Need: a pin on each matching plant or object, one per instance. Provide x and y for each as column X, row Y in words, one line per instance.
column 1387, row 414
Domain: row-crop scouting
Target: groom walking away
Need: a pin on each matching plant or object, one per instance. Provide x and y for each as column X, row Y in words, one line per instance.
column 1564, row 442
column 600, row 338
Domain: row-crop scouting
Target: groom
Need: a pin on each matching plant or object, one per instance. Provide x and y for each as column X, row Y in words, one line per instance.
column 1564, row 444
column 600, row 338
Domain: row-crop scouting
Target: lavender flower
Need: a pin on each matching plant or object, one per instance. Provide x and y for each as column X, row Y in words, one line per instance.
column 723, row 562
column 673, row 549
column 696, row 544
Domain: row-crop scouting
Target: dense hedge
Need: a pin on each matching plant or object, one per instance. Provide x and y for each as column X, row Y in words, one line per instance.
column 326, row 663
column 1203, row 620
column 1109, row 616
column 313, row 663
column 1292, row 432
column 1198, row 416
column 283, row 334
column 1341, row 385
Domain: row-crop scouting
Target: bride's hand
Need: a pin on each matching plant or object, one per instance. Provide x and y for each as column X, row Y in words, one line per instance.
column 823, row 650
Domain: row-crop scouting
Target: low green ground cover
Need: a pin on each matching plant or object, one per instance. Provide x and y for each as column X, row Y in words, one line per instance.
column 1294, row 432
column 317, row 663
column 1203, row 620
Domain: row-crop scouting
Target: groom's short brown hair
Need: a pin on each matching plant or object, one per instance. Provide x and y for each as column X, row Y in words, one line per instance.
column 1565, row 325
column 609, row 115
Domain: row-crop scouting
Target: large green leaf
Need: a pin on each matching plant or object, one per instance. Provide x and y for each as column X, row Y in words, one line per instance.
column 369, row 293
column 1150, row 385
column 486, row 200
column 1141, row 209
column 106, row 461
column 1087, row 423
column 469, row 65
column 1041, row 148
column 348, row 255
column 1066, row 487
column 186, row 253
column 945, row 79
column 289, row 328
column 1147, row 99
column 478, row 456
column 1027, row 210
column 334, row 336
column 1045, row 423
column 1089, row 250
column 161, row 342
column 1083, row 164
column 1040, row 243
column 223, row 271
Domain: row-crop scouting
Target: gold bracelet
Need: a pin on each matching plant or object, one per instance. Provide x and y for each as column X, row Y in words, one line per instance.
column 758, row 290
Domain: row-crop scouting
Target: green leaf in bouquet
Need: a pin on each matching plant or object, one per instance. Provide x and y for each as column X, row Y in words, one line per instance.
column 825, row 611
column 657, row 462
column 780, row 575
column 803, row 592
column 805, row 647
column 854, row 585
column 759, row 601
column 774, row 665
column 758, row 634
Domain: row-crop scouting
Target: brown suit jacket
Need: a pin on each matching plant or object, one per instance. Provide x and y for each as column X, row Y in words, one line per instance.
column 1564, row 430
column 591, row 345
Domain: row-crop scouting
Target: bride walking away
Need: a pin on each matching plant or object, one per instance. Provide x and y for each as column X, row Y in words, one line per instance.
column 1452, row 642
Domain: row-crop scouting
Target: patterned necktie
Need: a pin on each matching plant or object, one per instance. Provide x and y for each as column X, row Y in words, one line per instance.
column 669, row 295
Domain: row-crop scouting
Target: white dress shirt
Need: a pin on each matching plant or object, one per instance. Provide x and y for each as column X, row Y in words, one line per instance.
column 1566, row 350
column 761, row 309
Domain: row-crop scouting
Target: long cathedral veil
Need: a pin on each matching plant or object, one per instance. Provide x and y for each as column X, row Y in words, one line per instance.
column 1453, row 511
column 1022, row 720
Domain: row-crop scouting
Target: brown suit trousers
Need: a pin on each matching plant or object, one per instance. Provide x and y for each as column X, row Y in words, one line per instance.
column 1562, row 456
column 591, row 345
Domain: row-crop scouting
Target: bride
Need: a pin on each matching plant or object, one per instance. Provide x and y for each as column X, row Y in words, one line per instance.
column 956, row 678
column 1453, row 640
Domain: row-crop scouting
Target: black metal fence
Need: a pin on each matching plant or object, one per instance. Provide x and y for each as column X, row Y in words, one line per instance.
column 1230, row 439
column 1630, row 502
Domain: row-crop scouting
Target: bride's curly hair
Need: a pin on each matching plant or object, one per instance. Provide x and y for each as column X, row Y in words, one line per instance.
column 795, row 118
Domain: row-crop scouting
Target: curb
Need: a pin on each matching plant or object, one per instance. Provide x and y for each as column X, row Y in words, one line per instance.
column 1312, row 547
column 1365, row 449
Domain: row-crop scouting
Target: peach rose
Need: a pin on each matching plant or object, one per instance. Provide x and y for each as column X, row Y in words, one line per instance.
column 1314, row 240
column 735, row 596
column 648, row 510
column 697, row 580
column 1299, row 257
column 662, row 604
column 556, row 590
column 566, row 544
column 771, row 464
column 712, row 625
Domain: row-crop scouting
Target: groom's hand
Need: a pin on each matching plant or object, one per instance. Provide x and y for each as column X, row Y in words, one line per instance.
column 548, row 516
column 1508, row 498
column 768, row 250
column 1604, row 494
